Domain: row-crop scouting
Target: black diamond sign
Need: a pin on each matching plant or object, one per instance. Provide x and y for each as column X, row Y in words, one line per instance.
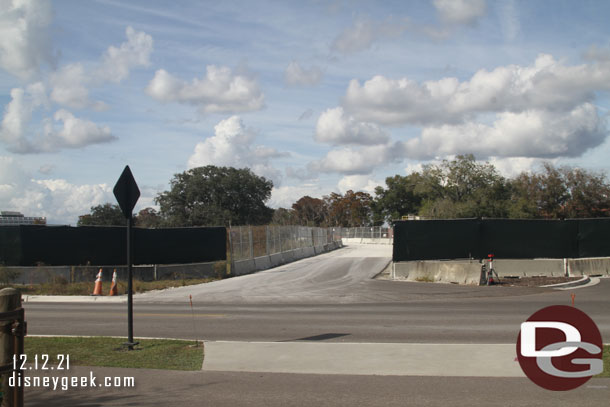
column 126, row 192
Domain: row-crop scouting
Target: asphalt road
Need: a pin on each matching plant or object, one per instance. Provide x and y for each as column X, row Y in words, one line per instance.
column 327, row 298
column 330, row 298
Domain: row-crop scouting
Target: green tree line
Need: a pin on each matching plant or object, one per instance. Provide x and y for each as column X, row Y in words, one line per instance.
column 458, row 188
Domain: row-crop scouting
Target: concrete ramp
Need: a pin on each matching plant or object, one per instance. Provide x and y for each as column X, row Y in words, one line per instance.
column 334, row 277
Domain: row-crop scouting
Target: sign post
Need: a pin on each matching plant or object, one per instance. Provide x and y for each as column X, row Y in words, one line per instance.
column 126, row 192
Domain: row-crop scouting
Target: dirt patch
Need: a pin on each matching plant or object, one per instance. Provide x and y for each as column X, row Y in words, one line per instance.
column 535, row 281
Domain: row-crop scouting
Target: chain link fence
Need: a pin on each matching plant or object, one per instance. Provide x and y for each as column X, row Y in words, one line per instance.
column 367, row 232
column 249, row 242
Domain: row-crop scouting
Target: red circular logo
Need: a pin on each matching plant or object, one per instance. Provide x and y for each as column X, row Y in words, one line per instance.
column 560, row 348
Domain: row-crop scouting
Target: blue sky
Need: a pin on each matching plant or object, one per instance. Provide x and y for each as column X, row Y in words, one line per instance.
column 319, row 96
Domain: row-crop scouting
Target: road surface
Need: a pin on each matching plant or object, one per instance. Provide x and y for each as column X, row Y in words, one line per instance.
column 312, row 306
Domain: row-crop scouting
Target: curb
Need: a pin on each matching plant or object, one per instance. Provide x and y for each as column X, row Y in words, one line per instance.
column 119, row 299
column 570, row 284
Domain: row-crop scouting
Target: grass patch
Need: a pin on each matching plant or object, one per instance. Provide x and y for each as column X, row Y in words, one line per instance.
column 606, row 356
column 168, row 354
column 85, row 288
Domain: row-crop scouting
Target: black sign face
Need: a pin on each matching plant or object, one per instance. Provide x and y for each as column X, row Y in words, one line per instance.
column 126, row 192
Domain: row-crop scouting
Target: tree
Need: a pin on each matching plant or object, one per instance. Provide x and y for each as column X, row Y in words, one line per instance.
column 283, row 217
column 148, row 218
column 309, row 211
column 589, row 193
column 560, row 193
column 463, row 188
column 399, row 198
column 350, row 210
column 210, row 195
column 103, row 215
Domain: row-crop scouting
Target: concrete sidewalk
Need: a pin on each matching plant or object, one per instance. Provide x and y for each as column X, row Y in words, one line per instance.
column 387, row 359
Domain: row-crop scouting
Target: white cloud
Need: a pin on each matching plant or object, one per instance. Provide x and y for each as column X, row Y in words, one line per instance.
column 350, row 161
column 24, row 36
column 411, row 168
column 232, row 146
column 363, row 33
column 460, row 11
column 117, row 62
column 56, row 199
column 70, row 88
column 532, row 133
column 220, row 91
column 285, row 196
column 17, row 134
column 17, row 115
column 401, row 101
column 295, row 75
column 78, row 133
column 70, row 84
column 545, row 85
column 511, row 167
column 16, row 118
column 358, row 183
column 335, row 127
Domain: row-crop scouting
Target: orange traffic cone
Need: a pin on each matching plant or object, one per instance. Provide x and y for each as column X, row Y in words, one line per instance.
column 97, row 290
column 113, row 287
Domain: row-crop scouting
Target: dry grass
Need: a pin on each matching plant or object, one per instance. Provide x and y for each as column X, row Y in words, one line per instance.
column 64, row 288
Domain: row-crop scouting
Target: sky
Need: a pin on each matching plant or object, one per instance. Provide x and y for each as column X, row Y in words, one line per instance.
column 318, row 96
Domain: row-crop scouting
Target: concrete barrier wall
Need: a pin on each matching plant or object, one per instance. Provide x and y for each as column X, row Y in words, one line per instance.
column 266, row 262
column 456, row 272
column 468, row 272
column 358, row 240
column 589, row 267
column 530, row 268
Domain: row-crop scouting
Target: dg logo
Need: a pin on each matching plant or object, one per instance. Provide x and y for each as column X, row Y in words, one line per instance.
column 560, row 348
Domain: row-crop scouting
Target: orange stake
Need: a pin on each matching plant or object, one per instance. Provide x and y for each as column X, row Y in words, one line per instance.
column 573, row 297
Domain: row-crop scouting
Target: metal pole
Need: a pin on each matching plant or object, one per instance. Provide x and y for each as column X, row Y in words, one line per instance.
column 130, row 343
column 231, row 252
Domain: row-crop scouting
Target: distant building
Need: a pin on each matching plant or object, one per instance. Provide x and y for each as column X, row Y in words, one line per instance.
column 16, row 218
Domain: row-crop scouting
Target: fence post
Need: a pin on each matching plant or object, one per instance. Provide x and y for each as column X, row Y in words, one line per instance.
column 251, row 240
column 231, row 254
column 11, row 343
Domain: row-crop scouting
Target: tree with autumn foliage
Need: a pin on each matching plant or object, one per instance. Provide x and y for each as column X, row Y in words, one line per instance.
column 148, row 218
column 563, row 192
column 350, row 210
column 309, row 211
